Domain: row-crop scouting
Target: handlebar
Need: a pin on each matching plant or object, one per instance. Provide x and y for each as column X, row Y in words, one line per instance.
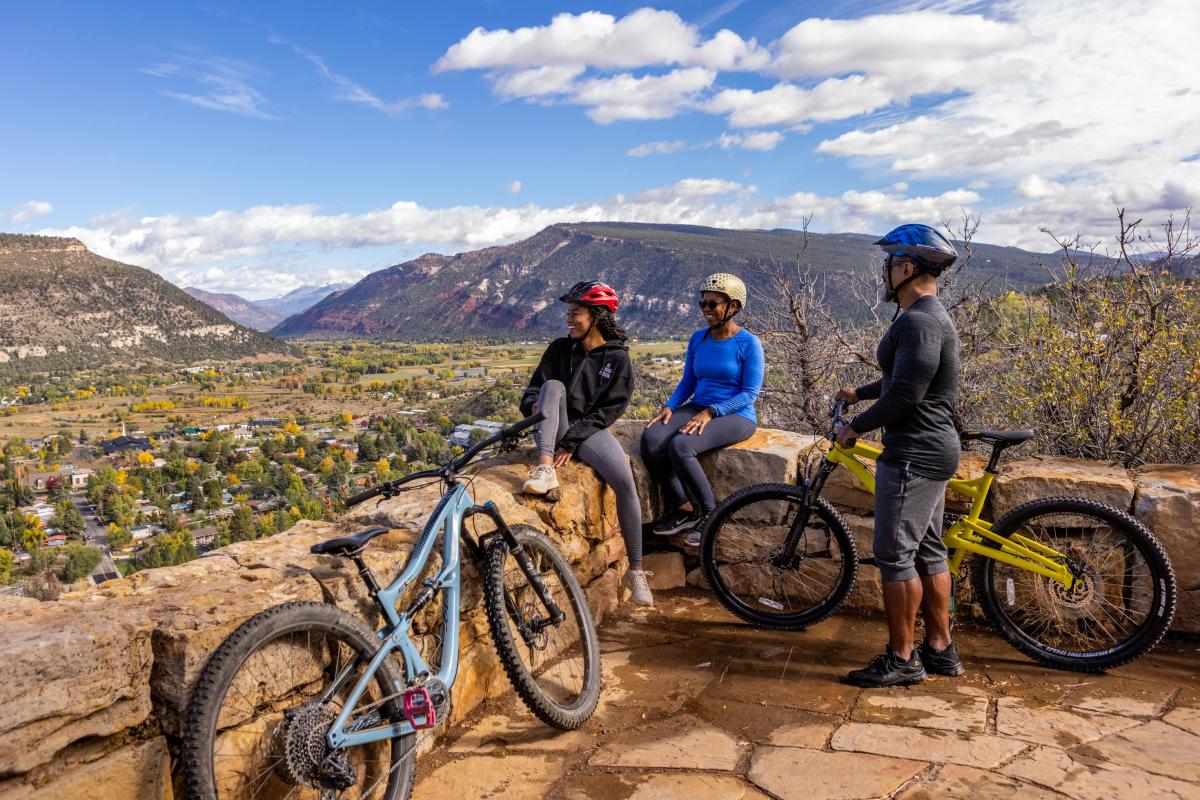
column 448, row 470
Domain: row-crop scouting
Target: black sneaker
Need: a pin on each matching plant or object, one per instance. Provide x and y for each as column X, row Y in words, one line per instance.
column 678, row 522
column 941, row 662
column 889, row 670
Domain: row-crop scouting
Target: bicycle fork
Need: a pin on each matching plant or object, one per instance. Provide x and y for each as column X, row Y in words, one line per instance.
column 528, row 628
column 786, row 559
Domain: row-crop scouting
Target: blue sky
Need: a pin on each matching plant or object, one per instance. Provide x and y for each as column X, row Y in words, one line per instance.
column 258, row 146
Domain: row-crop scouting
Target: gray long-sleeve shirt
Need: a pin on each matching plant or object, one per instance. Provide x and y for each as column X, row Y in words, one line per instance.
column 914, row 401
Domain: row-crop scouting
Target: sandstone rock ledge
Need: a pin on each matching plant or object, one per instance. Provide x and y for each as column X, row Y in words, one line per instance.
column 96, row 683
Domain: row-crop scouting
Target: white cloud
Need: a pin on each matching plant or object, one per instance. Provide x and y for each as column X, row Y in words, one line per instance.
column 514, row 187
column 225, row 83
column 656, row 148
column 1034, row 187
column 758, row 140
column 245, row 251
column 651, row 97
column 645, row 37
column 30, row 210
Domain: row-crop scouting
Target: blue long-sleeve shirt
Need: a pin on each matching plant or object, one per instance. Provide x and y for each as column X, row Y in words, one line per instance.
column 725, row 376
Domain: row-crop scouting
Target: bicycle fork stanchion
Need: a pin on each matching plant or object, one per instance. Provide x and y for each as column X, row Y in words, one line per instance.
column 522, row 558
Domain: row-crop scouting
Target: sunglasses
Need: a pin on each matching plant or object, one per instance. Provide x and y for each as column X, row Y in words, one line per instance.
column 710, row 305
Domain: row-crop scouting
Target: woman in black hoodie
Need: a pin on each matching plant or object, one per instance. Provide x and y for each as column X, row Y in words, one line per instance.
column 583, row 384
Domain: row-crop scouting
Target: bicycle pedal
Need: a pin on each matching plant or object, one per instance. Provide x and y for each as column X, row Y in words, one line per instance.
column 419, row 709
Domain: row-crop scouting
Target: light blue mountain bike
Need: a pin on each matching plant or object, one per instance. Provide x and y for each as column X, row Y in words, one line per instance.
column 304, row 700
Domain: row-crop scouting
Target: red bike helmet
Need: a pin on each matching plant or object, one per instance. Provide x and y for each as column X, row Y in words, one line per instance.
column 592, row 294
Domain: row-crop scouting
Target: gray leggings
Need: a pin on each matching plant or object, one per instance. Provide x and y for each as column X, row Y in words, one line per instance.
column 601, row 452
column 671, row 455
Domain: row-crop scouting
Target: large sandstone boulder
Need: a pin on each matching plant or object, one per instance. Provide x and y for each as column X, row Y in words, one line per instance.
column 769, row 456
column 68, row 676
column 1043, row 476
column 1168, row 503
column 136, row 771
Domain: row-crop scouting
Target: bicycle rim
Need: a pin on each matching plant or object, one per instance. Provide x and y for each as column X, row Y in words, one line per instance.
column 555, row 667
column 258, row 721
column 741, row 552
column 1120, row 606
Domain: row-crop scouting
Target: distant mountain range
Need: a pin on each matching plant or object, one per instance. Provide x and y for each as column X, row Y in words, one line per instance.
column 64, row 307
column 510, row 291
column 262, row 315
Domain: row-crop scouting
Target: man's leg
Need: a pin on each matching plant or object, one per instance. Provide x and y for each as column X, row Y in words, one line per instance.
column 895, row 550
column 935, row 609
column 901, row 599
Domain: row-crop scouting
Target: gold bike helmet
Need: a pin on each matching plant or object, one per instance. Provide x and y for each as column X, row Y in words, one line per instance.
column 729, row 285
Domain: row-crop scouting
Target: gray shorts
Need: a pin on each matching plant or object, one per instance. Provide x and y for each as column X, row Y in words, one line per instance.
column 908, row 523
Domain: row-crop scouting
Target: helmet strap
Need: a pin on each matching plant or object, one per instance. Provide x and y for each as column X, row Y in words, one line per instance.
column 895, row 290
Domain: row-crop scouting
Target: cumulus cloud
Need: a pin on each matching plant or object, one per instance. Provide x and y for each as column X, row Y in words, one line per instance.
column 514, row 187
column 30, row 210
column 221, row 84
column 645, row 37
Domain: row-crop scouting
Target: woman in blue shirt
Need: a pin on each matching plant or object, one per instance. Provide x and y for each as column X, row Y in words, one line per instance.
column 712, row 407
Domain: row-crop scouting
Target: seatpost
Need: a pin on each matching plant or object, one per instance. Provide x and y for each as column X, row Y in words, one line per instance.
column 365, row 573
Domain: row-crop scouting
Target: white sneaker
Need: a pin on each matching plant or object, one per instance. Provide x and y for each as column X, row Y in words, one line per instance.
column 639, row 590
column 542, row 479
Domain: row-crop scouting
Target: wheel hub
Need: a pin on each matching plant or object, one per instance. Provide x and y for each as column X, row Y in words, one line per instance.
column 307, row 759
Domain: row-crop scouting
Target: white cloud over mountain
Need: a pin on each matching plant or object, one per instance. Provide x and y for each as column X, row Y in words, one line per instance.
column 1072, row 107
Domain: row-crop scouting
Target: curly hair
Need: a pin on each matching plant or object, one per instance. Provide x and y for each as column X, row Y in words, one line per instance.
column 607, row 324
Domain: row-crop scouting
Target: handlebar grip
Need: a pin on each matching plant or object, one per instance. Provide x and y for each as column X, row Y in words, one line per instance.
column 361, row 496
column 528, row 422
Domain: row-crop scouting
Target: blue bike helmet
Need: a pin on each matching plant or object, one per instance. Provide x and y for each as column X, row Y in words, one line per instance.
column 929, row 249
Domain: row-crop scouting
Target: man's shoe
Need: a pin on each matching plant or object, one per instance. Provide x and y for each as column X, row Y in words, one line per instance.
column 941, row 662
column 639, row 589
column 542, row 479
column 678, row 522
column 889, row 669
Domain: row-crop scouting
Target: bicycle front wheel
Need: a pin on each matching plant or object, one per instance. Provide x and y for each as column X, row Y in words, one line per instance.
column 553, row 665
column 256, row 722
column 741, row 550
column 1124, row 596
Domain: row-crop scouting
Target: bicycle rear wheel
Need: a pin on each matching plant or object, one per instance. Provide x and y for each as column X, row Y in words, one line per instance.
column 1123, row 600
column 255, row 725
column 554, row 666
column 741, row 546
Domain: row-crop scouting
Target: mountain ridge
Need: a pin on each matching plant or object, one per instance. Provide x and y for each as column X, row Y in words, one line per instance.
column 64, row 307
column 508, row 291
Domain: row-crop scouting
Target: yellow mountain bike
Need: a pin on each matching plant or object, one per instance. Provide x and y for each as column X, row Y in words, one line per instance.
column 1069, row 581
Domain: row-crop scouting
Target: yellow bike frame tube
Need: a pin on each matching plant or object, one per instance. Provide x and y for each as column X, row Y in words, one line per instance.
column 969, row 533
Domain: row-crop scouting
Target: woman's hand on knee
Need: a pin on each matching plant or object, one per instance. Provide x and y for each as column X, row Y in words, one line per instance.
column 561, row 457
column 664, row 416
column 696, row 424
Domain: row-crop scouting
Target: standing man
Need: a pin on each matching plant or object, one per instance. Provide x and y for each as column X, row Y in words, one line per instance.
column 914, row 405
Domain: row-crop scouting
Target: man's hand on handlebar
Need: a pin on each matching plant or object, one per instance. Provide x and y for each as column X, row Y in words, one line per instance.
column 846, row 435
column 849, row 394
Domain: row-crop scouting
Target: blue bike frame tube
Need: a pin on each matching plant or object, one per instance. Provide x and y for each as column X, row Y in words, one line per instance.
column 447, row 517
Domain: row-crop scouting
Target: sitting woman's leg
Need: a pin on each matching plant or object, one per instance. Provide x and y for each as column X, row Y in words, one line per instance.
column 655, row 446
column 603, row 453
column 720, row 432
column 552, row 401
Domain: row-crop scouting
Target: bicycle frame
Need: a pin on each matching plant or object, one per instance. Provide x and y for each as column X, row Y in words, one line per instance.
column 447, row 518
column 969, row 533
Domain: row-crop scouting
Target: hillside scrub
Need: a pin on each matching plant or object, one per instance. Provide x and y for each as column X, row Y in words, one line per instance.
column 1103, row 362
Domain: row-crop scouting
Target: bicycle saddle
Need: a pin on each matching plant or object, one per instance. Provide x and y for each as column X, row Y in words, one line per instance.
column 345, row 545
column 1001, row 438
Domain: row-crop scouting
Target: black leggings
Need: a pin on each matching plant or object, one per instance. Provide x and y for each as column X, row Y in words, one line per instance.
column 671, row 455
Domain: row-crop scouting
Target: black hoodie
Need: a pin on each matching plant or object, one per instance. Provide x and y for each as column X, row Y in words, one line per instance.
column 599, row 385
